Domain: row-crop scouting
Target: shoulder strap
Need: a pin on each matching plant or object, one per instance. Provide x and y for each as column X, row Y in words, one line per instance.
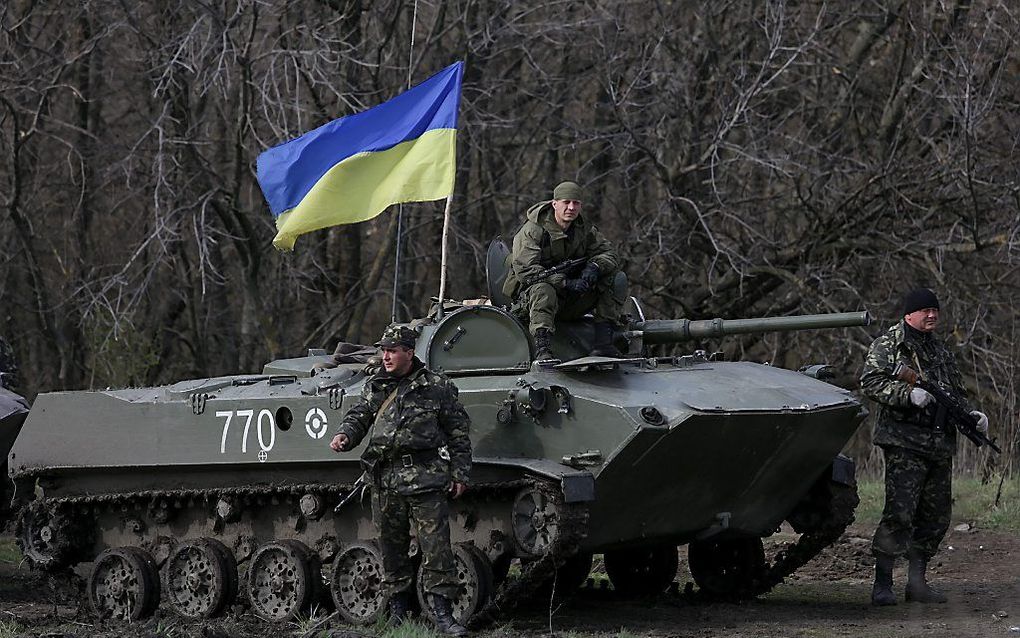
column 386, row 404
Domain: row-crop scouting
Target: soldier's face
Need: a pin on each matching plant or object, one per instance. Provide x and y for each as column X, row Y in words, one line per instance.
column 925, row 319
column 397, row 360
column 566, row 210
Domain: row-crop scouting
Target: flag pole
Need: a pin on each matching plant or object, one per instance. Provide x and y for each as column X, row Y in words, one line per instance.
column 396, row 262
column 442, row 259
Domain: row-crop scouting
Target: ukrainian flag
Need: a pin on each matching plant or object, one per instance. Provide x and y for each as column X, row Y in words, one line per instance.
column 353, row 168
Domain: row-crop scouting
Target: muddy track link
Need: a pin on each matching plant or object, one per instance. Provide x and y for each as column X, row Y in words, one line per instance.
column 573, row 529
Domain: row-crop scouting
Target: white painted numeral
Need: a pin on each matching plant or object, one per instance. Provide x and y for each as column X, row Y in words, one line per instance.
column 227, row 414
column 272, row 430
column 247, row 425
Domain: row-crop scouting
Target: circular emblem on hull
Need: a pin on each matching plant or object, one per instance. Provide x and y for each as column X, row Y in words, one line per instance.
column 316, row 423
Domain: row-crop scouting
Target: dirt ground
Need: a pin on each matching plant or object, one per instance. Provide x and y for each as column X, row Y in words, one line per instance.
column 978, row 569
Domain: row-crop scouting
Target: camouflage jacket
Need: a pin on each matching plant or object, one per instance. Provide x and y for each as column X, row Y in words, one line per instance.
column 900, row 423
column 403, row 453
column 541, row 244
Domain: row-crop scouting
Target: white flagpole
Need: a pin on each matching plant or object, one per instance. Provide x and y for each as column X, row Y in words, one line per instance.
column 442, row 260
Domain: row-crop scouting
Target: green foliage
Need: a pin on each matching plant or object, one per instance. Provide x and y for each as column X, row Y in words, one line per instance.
column 307, row 625
column 973, row 502
column 9, row 552
column 167, row 630
column 9, row 629
column 872, row 494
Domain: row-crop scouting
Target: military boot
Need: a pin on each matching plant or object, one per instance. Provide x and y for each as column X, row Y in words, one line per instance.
column 918, row 590
column 398, row 609
column 603, row 346
column 445, row 622
column 881, row 593
column 543, row 345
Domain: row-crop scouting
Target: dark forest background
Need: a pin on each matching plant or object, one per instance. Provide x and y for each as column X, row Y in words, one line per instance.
column 763, row 158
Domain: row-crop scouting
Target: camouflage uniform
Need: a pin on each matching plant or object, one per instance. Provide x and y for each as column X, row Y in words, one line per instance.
column 410, row 473
column 541, row 244
column 8, row 366
column 918, row 445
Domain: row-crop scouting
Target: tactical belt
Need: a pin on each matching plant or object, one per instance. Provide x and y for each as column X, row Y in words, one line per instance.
column 411, row 458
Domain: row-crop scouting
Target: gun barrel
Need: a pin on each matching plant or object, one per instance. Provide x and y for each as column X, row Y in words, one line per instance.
column 674, row 330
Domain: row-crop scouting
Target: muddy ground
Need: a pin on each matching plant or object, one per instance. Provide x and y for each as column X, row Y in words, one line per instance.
column 978, row 569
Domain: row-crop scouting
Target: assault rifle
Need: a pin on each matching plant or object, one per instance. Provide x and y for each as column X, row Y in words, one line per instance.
column 567, row 265
column 948, row 404
column 358, row 489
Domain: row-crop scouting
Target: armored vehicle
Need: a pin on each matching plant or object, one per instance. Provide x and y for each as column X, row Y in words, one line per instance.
column 13, row 410
column 212, row 491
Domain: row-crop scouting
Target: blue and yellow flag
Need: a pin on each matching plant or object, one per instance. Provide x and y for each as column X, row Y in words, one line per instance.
column 353, row 168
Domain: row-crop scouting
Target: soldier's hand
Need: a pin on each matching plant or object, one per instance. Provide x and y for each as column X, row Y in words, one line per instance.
column 982, row 424
column 457, row 489
column 590, row 274
column 577, row 286
column 339, row 443
column 920, row 397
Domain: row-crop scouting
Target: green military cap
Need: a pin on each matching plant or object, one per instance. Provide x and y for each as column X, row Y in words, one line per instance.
column 568, row 190
column 397, row 335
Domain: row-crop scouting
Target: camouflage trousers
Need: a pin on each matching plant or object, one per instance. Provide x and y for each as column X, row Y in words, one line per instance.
column 430, row 514
column 540, row 304
column 918, row 503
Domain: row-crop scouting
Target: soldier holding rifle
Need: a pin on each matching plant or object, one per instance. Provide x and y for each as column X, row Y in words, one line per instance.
column 562, row 266
column 918, row 440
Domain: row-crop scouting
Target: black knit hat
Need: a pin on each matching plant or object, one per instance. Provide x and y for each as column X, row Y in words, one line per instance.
column 919, row 299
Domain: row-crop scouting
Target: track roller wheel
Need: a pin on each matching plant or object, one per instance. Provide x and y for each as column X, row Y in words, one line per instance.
column 47, row 537
column 535, row 521
column 729, row 567
column 474, row 573
column 572, row 574
column 283, row 580
column 642, row 571
column 356, row 583
column 200, row 578
column 124, row 584
column 569, row 577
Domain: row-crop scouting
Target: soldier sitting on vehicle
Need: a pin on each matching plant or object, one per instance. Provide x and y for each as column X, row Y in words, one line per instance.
column 555, row 232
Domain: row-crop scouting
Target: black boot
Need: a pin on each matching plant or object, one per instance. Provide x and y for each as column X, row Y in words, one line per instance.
column 881, row 593
column 445, row 622
column 603, row 346
column 398, row 609
column 918, row 590
column 543, row 345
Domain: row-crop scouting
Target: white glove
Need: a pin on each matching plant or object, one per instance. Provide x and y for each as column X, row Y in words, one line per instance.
column 920, row 397
column 982, row 424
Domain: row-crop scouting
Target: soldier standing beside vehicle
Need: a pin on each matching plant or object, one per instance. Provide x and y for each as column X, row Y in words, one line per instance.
column 918, row 445
column 554, row 232
column 418, row 456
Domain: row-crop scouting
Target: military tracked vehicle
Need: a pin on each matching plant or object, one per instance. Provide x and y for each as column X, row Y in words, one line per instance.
column 13, row 410
column 208, row 492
